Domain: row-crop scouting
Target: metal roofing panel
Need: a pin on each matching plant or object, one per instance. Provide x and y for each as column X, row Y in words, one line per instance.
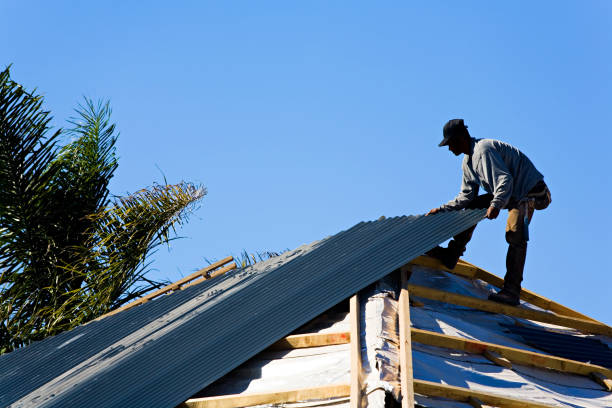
column 587, row 349
column 164, row 351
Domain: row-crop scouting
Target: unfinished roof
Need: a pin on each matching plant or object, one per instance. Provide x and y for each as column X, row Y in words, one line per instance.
column 161, row 353
column 461, row 356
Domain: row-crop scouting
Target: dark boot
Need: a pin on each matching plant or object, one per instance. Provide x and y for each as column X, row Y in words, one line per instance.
column 515, row 263
column 447, row 256
column 505, row 297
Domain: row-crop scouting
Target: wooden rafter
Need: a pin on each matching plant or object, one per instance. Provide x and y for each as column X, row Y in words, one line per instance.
column 470, row 271
column 295, row 341
column 200, row 276
column 464, row 394
column 517, row 356
column 247, row 400
column 405, row 351
column 356, row 375
column 586, row 326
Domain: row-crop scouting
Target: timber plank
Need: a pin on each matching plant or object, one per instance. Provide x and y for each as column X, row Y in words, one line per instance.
column 586, row 326
column 406, row 374
column 295, row 341
column 464, row 394
column 172, row 287
column 516, row 356
column 470, row 271
column 247, row 400
column 496, row 358
column 356, row 376
column 602, row 380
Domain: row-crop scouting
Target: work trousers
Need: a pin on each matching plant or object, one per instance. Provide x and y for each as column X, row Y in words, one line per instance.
column 515, row 232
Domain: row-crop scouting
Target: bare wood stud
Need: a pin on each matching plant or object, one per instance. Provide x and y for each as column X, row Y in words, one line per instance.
column 497, row 358
column 602, row 380
column 516, row 356
column 295, row 341
column 355, row 353
column 463, row 395
column 475, row 402
column 407, row 389
column 469, row 271
column 246, row 400
column 583, row 325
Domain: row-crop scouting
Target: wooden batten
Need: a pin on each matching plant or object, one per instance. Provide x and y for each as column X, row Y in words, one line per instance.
column 496, row 358
column 247, row 400
column 464, row 394
column 214, row 274
column 586, row 326
column 602, row 380
column 475, row 402
column 514, row 355
column 175, row 285
column 405, row 348
column 356, row 376
column 295, row 341
column 470, row 271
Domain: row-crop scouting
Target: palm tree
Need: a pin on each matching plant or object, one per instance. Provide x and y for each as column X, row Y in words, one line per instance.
column 69, row 251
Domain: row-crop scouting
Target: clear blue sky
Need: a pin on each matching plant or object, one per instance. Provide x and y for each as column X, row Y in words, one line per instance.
column 304, row 118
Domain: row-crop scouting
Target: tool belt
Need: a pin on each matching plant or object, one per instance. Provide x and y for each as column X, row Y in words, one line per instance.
column 539, row 195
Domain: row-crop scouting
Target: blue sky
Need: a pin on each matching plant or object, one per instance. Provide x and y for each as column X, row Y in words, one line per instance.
column 304, row 118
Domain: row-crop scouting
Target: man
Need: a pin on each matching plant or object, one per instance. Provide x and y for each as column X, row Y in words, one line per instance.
column 511, row 181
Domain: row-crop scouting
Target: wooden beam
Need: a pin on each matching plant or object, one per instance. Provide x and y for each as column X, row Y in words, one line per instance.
column 496, row 358
column 586, row 326
column 405, row 347
column 355, row 353
column 464, row 394
column 214, row 274
column 602, row 380
column 470, row 271
column 475, row 402
column 516, row 356
column 247, row 400
column 295, row 341
column 172, row 287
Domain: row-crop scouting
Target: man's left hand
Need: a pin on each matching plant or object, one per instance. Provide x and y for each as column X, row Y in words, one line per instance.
column 492, row 213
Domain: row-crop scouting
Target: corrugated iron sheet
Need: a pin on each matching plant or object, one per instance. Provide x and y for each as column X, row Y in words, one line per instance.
column 588, row 350
column 161, row 353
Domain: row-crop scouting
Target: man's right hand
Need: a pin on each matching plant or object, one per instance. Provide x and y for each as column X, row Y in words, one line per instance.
column 433, row 211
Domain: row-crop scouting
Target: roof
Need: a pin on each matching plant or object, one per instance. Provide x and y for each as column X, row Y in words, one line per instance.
column 448, row 350
column 161, row 353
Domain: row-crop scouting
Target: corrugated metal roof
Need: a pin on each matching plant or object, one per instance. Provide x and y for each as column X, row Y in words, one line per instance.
column 164, row 351
column 586, row 349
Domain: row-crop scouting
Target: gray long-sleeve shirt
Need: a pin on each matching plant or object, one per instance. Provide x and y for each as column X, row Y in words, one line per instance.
column 501, row 169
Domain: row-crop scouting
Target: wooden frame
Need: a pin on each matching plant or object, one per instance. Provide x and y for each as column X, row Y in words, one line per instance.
column 586, row 326
column 405, row 347
column 246, row 400
column 470, row 271
column 514, row 355
column 464, row 395
column 178, row 285
column 356, row 375
column 295, row 341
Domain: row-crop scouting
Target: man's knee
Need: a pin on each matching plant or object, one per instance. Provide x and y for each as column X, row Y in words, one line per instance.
column 516, row 238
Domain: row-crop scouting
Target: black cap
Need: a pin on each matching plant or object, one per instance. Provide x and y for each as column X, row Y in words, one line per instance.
column 452, row 128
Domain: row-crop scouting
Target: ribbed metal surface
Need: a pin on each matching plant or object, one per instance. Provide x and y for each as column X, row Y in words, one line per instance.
column 161, row 353
column 576, row 348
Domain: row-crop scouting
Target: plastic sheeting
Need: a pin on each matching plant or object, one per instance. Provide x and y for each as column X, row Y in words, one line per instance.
column 379, row 340
column 474, row 371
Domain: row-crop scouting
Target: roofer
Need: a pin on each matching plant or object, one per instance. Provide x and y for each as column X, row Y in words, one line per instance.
column 511, row 181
